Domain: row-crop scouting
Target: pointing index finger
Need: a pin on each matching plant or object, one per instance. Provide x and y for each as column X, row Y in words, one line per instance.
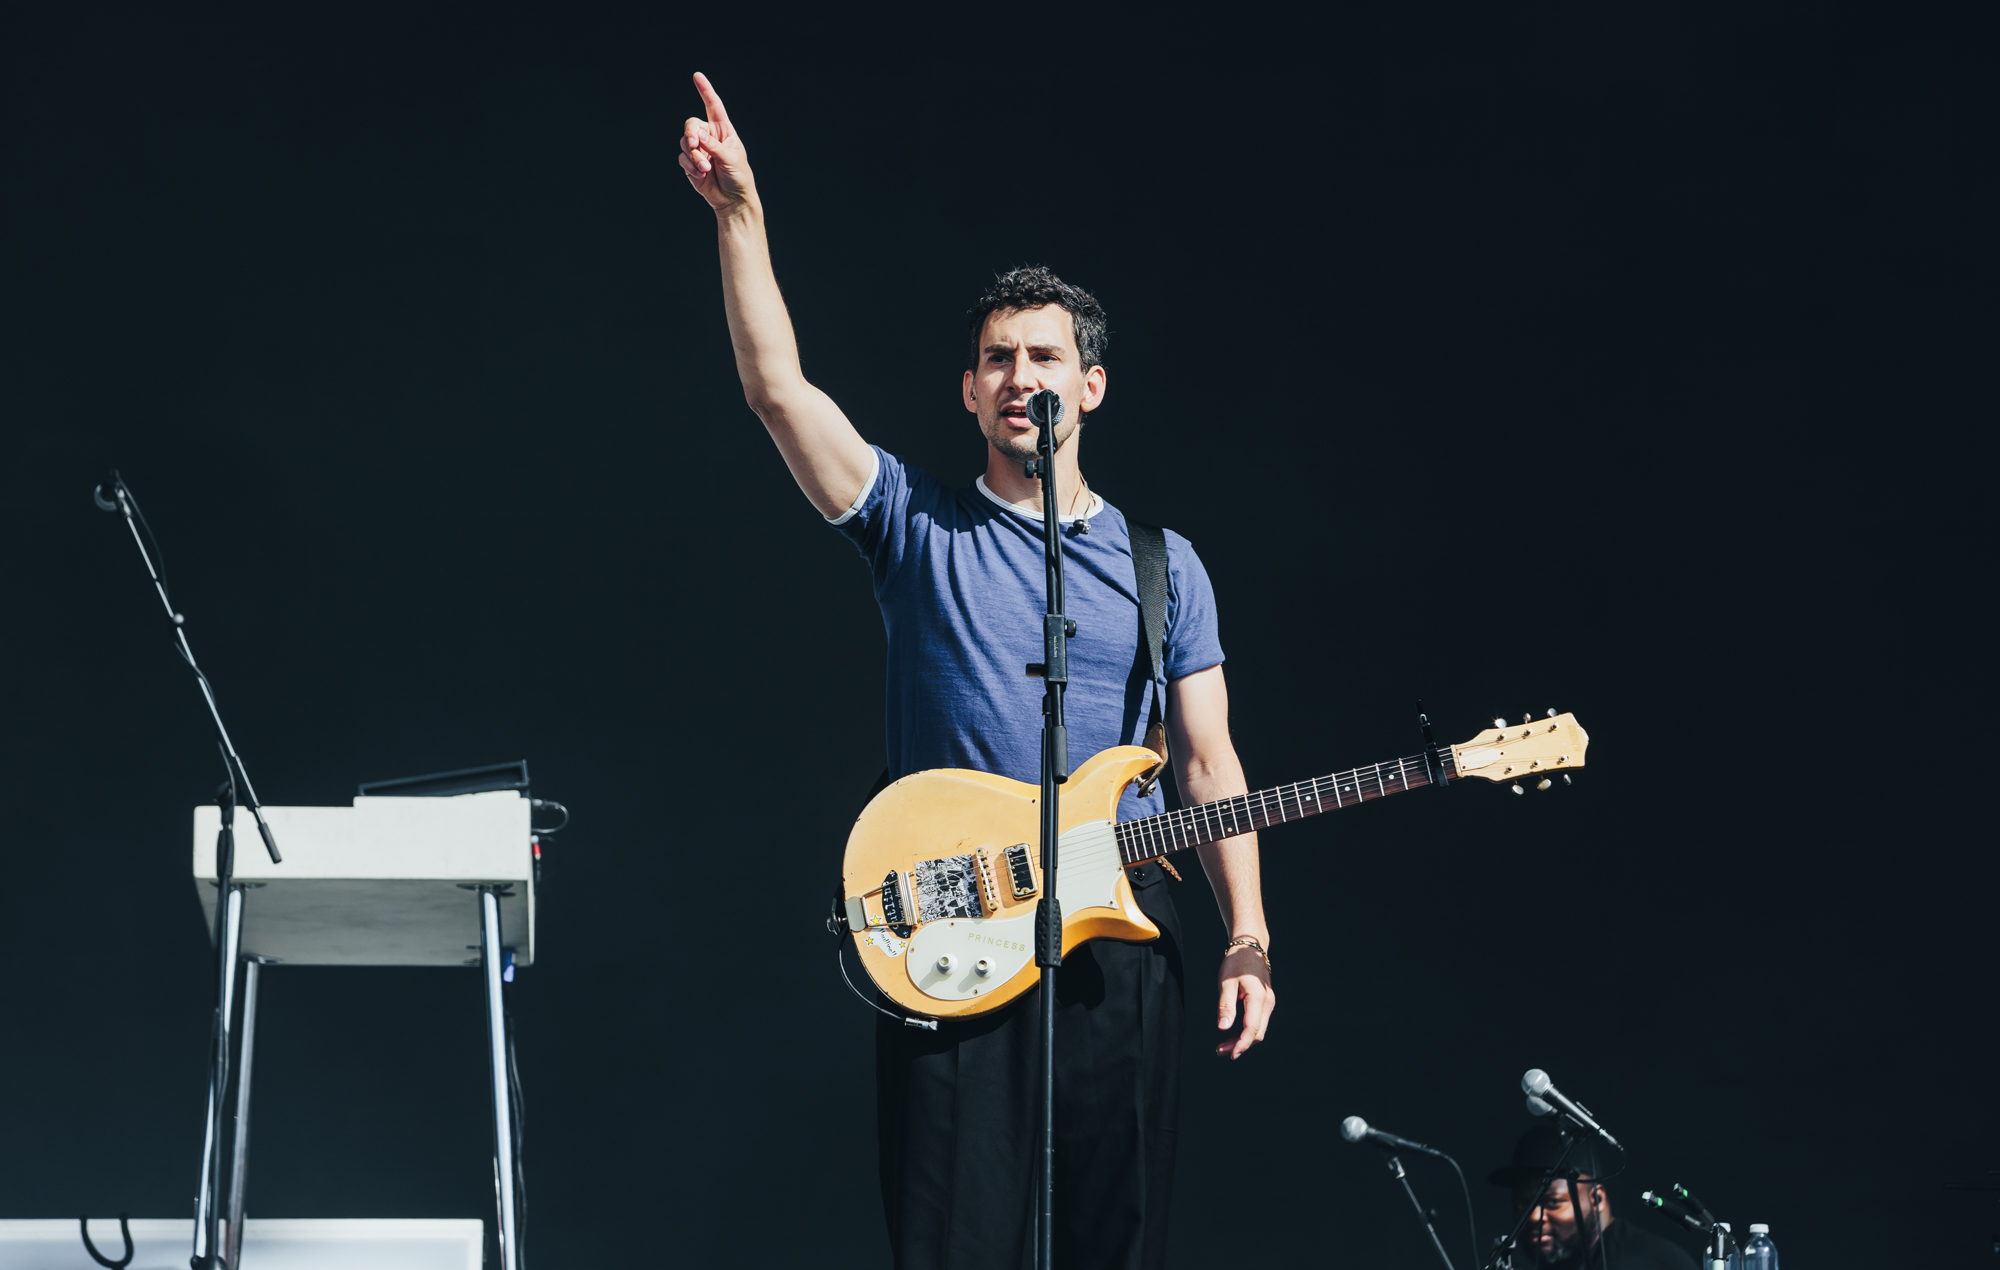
column 712, row 103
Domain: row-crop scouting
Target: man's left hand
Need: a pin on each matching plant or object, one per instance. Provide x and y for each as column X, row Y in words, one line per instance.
column 1246, row 981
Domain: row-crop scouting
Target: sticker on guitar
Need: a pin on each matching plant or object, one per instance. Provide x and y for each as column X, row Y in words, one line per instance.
column 885, row 939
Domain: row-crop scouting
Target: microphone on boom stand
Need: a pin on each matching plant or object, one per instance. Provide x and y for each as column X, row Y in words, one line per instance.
column 1045, row 409
column 1536, row 1084
column 114, row 495
column 1668, row 1206
column 121, row 500
column 1355, row 1129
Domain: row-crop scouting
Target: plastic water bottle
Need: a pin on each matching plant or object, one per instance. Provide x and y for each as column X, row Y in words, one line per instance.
column 1735, row 1259
column 1760, row 1253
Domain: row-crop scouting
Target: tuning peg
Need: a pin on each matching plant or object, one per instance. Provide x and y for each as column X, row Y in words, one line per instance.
column 1527, row 719
column 1546, row 782
column 1517, row 789
column 1499, row 723
column 1552, row 712
column 1567, row 780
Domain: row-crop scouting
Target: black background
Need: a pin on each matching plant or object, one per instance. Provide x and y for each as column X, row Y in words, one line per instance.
column 1608, row 357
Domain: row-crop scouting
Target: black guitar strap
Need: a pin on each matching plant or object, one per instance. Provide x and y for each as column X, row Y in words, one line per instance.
column 1149, row 563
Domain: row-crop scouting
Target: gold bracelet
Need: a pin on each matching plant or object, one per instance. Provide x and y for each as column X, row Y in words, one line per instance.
column 1250, row 942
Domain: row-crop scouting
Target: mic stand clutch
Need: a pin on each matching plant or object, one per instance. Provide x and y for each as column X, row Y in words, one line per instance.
column 1045, row 411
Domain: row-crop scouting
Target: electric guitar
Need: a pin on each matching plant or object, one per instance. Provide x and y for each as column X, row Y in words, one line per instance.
column 943, row 872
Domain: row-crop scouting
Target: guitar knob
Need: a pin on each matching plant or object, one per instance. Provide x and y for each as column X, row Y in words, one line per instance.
column 946, row 963
column 982, row 967
column 1517, row 789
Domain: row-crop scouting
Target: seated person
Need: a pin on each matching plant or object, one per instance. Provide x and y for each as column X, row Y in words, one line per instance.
column 1575, row 1232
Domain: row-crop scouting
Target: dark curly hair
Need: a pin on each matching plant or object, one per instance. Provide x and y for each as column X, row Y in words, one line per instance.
column 1036, row 287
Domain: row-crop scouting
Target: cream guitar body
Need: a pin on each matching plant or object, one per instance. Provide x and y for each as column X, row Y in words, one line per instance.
column 938, row 843
column 943, row 871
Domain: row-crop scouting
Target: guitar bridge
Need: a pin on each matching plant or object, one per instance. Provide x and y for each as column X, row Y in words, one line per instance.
column 893, row 912
column 1020, row 872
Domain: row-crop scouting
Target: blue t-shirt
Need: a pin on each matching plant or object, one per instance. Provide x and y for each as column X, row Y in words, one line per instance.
column 959, row 576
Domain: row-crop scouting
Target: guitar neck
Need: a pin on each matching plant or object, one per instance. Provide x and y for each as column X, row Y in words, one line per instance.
column 1155, row 836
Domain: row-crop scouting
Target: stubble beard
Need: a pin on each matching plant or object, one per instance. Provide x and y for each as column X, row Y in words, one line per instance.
column 1565, row 1250
column 1023, row 447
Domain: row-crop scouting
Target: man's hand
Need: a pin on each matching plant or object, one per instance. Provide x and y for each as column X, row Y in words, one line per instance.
column 1246, row 979
column 712, row 154
column 1207, row 768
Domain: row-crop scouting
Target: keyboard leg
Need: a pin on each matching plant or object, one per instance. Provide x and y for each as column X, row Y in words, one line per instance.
column 239, row 1146
column 503, row 1118
column 206, row 1214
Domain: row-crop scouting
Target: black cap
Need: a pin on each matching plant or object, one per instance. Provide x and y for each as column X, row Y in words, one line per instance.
column 1535, row 1157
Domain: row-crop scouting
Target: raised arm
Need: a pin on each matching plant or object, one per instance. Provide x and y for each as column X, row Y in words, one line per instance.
column 827, row 456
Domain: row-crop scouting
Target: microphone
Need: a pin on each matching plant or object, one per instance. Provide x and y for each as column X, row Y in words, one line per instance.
column 97, row 495
column 1355, row 1129
column 1045, row 409
column 1536, row 1083
column 1537, row 1107
column 1693, row 1201
column 1672, row 1208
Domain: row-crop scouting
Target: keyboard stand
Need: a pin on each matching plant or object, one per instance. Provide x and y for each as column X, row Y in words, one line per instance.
column 386, row 882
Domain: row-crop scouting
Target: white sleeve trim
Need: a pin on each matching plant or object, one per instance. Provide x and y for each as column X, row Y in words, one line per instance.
column 867, row 488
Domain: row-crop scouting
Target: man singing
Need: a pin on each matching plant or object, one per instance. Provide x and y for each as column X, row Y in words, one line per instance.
column 958, row 575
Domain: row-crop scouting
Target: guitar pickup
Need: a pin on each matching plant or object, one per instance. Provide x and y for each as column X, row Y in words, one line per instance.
column 987, row 889
column 1020, row 872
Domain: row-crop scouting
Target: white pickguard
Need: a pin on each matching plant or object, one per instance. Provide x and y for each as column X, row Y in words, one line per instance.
column 1086, row 877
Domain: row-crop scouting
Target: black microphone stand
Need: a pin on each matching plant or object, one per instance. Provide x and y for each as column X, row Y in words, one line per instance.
column 1396, row 1171
column 229, row 898
column 1045, row 411
column 123, row 502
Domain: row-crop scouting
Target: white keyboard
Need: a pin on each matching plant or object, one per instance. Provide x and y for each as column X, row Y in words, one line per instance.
column 385, row 882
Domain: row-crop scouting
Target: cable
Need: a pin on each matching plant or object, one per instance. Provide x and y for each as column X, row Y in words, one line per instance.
column 1471, row 1226
column 159, row 558
column 518, row 1104
column 840, row 955
column 928, row 1025
column 537, row 804
column 124, row 1230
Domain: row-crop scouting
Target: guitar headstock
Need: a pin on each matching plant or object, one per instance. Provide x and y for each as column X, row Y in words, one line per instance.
column 1532, row 749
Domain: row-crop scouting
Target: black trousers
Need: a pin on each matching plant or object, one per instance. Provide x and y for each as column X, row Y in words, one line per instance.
column 956, row 1114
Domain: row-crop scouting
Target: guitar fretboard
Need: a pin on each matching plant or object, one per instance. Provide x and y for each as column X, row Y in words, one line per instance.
column 1155, row 836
